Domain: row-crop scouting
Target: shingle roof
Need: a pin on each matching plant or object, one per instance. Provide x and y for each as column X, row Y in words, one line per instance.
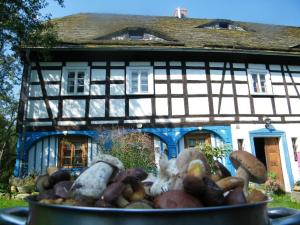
column 90, row 30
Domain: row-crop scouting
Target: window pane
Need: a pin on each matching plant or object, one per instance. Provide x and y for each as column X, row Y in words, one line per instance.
column 70, row 89
column 262, row 78
column 134, row 81
column 80, row 75
column 67, row 161
column 80, row 89
column 192, row 142
column 71, row 75
column 67, row 153
column 255, row 82
column 144, row 81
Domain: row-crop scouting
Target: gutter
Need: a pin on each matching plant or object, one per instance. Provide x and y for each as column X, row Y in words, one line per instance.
column 151, row 49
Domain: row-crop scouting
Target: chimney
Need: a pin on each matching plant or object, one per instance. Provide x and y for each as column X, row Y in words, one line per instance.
column 180, row 13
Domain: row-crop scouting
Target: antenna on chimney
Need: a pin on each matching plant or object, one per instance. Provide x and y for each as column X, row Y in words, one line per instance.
column 180, row 13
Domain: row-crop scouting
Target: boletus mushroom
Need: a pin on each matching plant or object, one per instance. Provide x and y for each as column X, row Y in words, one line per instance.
column 220, row 171
column 249, row 168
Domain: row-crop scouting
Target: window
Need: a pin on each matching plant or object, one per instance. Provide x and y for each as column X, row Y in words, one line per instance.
column 139, row 80
column 73, row 152
column 294, row 144
column 223, row 25
column 259, row 82
column 75, row 81
column 240, row 144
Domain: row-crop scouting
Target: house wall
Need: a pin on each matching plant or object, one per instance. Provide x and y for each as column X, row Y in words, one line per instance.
column 185, row 92
column 44, row 153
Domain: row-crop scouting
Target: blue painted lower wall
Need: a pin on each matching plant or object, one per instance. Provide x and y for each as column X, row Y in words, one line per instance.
column 171, row 136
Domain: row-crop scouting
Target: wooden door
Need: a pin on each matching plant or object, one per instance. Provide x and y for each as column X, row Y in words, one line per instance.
column 273, row 159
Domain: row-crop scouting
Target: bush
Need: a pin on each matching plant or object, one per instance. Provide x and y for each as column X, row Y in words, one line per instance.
column 134, row 150
column 271, row 186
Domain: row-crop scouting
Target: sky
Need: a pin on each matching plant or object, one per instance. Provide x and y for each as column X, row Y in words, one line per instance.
column 281, row 12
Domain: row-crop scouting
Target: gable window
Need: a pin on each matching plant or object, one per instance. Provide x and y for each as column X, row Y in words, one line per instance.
column 75, row 81
column 259, row 82
column 139, row 80
column 73, row 152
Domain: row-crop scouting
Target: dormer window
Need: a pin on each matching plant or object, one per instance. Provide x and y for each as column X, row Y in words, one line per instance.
column 222, row 25
column 135, row 34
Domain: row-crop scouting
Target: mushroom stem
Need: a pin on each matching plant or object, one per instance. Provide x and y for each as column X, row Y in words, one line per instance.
column 242, row 173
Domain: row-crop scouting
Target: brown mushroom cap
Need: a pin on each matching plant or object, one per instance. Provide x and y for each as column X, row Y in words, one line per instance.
column 131, row 176
column 113, row 191
column 220, row 169
column 256, row 169
column 229, row 183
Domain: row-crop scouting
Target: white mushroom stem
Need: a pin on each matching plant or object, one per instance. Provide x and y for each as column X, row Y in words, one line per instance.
column 242, row 173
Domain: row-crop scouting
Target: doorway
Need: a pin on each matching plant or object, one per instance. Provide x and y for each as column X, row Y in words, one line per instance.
column 267, row 151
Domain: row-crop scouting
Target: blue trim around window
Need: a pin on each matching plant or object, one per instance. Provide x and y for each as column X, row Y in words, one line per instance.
column 274, row 133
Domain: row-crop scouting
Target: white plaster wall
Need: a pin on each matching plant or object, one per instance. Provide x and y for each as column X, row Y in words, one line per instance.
column 161, row 89
column 216, row 75
column 278, row 90
column 256, row 66
column 175, row 63
column 291, row 90
column 281, row 106
column 54, row 107
column 287, row 78
column 117, row 63
column 117, row 89
column 198, row 105
column 51, row 75
column 175, row 74
column 140, row 63
column 161, row 106
column 216, row 87
column 98, row 74
column 159, row 63
column 195, row 64
column 242, row 89
column 296, row 77
column 216, row 64
column 97, row 108
column 36, row 109
column 99, row 63
column 176, row 88
column 240, row 75
column 241, row 131
column 140, row 107
column 294, row 68
column 262, row 106
column 98, row 89
column 117, row 107
column 227, row 105
column 200, row 88
column 239, row 65
column 195, row 74
column 178, row 106
column 35, row 91
column 52, row 89
column 295, row 105
column 117, row 74
column 276, row 77
column 160, row 74
column 73, row 108
column 34, row 76
column 244, row 105
column 274, row 67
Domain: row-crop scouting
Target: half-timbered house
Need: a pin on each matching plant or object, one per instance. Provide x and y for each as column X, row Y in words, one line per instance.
column 184, row 81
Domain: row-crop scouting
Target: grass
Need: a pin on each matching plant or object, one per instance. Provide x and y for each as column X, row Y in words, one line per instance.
column 9, row 203
column 278, row 201
column 283, row 201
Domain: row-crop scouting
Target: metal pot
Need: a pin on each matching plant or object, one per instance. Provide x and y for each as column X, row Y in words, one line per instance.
column 247, row 214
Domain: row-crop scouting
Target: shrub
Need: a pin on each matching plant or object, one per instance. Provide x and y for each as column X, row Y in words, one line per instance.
column 271, row 186
column 134, row 150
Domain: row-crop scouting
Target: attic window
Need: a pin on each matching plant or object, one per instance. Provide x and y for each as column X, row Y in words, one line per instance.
column 222, row 25
column 135, row 34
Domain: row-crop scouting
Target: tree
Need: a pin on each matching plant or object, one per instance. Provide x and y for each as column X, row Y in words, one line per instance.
column 21, row 25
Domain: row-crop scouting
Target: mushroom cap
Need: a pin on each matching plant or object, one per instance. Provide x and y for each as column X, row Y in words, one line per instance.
column 220, row 169
column 235, row 197
column 229, row 183
column 130, row 176
column 256, row 169
column 113, row 191
column 109, row 159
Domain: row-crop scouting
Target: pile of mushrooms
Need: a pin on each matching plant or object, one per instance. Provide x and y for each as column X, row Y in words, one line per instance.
column 185, row 182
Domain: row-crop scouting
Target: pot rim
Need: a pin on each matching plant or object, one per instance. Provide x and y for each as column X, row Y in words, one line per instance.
column 31, row 200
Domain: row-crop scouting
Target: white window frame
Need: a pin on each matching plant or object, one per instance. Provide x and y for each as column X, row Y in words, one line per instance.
column 76, row 69
column 268, row 82
column 129, row 71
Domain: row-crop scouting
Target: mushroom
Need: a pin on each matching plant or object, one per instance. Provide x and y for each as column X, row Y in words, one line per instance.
column 176, row 199
column 249, row 168
column 92, row 182
column 212, row 194
column 194, row 185
column 62, row 188
column 113, row 194
column 229, row 183
column 220, row 171
column 256, row 196
column 235, row 197
column 60, row 175
column 196, row 168
column 139, row 205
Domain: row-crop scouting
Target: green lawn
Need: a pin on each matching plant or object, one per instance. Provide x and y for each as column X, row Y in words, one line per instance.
column 283, row 201
column 278, row 201
column 9, row 203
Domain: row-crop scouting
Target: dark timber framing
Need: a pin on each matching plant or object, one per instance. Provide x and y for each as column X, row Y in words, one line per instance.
column 228, row 65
